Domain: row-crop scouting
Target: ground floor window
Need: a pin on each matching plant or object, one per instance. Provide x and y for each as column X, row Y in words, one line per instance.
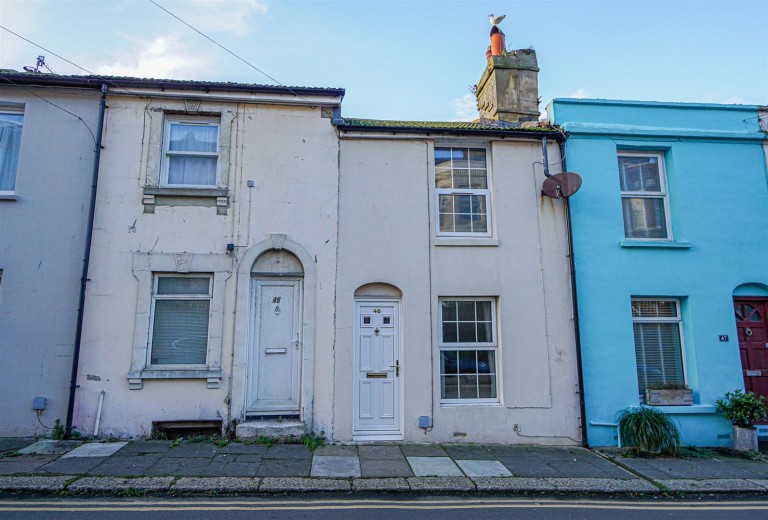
column 468, row 344
column 658, row 343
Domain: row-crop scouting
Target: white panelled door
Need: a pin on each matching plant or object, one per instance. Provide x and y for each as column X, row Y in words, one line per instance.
column 274, row 366
column 377, row 370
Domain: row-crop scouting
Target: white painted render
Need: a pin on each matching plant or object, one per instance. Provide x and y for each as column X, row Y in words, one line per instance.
column 387, row 235
column 42, row 237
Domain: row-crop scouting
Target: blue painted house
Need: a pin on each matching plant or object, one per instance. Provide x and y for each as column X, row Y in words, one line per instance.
column 670, row 238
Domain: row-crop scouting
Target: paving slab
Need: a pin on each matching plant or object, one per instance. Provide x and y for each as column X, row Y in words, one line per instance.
column 335, row 467
column 240, row 469
column 244, row 449
column 288, row 484
column 446, row 484
column 121, row 466
column 512, row 484
column 95, row 449
column 253, row 459
column 338, row 451
column 71, row 466
column 49, row 447
column 379, row 452
column 380, row 484
column 11, row 444
column 288, row 451
column 24, row 464
column 284, row 468
column 385, row 468
column 720, row 485
column 470, row 452
column 602, row 485
column 220, row 484
column 423, row 450
column 434, row 467
column 483, row 468
column 121, row 484
column 196, row 449
column 34, row 483
column 530, row 467
column 146, row 447
column 188, row 467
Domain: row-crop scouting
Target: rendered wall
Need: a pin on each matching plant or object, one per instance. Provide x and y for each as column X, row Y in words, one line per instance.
column 719, row 205
column 42, row 236
column 387, row 234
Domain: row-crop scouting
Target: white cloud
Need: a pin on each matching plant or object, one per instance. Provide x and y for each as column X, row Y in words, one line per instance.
column 163, row 57
column 464, row 108
column 218, row 16
column 579, row 94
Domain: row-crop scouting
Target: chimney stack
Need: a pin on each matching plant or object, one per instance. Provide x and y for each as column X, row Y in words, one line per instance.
column 508, row 90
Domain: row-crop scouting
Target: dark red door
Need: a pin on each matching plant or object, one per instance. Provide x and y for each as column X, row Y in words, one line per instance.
column 751, row 324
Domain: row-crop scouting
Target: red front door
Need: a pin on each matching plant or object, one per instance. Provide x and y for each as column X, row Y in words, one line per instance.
column 751, row 323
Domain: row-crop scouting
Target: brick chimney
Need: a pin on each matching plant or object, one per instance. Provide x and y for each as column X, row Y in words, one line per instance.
column 508, row 90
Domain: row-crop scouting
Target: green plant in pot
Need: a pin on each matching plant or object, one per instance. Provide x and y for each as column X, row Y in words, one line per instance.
column 648, row 430
column 743, row 409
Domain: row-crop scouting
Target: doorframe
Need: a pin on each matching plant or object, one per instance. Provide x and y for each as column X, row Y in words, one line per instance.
column 251, row 368
column 243, row 330
column 760, row 299
column 385, row 435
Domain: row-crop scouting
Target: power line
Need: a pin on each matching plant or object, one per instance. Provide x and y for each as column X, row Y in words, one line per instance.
column 54, row 104
column 254, row 67
column 106, row 80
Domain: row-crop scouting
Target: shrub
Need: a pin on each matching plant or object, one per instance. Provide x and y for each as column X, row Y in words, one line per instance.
column 649, row 430
column 742, row 408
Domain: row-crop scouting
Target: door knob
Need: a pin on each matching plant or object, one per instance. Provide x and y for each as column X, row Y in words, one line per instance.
column 396, row 366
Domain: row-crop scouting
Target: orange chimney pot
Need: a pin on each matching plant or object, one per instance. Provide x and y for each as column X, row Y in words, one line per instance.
column 498, row 45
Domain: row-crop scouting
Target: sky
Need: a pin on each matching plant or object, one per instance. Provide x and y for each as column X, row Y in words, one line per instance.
column 413, row 60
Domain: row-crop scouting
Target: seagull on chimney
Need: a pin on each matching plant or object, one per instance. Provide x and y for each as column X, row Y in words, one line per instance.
column 496, row 20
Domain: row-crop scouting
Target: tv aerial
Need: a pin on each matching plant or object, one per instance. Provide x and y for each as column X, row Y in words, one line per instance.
column 38, row 66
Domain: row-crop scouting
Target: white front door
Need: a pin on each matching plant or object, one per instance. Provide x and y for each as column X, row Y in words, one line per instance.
column 377, row 370
column 274, row 361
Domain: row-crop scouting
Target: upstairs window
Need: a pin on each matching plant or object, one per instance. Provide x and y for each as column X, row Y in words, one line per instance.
column 644, row 196
column 462, row 191
column 190, row 153
column 658, row 343
column 10, row 145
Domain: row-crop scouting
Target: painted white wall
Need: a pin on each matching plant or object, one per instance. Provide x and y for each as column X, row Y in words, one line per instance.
column 42, row 236
column 386, row 234
column 291, row 154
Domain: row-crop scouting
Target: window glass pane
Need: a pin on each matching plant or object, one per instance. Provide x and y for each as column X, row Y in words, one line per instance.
column 183, row 285
column 450, row 387
column 644, row 217
column 478, row 203
column 478, row 179
column 193, row 138
column 446, row 203
column 10, row 145
column 443, row 157
column 484, row 332
column 450, row 334
column 468, row 387
column 446, row 222
column 180, row 332
column 460, row 157
column 449, row 310
column 639, row 174
column 658, row 352
column 449, row 364
column 487, row 387
column 477, row 158
column 466, row 310
column 462, row 222
column 443, row 178
column 467, row 332
column 483, row 310
column 460, row 178
column 654, row 309
column 467, row 362
column 479, row 223
column 485, row 362
column 197, row 171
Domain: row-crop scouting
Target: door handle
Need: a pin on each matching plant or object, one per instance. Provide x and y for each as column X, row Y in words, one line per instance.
column 396, row 366
column 296, row 341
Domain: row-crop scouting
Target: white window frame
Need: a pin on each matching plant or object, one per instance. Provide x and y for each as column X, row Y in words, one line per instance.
column 662, row 194
column 19, row 112
column 464, row 191
column 184, row 297
column 191, row 121
column 492, row 346
column 678, row 319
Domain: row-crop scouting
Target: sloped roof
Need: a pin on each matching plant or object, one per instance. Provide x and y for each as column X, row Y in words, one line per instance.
column 485, row 127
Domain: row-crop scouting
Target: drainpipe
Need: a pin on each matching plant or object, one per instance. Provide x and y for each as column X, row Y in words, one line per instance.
column 576, row 330
column 86, row 262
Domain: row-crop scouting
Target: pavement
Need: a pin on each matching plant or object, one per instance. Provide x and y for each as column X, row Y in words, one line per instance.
column 149, row 466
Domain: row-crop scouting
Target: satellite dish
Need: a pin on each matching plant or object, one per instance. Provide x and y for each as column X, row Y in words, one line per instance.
column 561, row 185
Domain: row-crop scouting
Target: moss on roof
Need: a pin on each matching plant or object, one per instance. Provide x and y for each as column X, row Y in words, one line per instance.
column 484, row 125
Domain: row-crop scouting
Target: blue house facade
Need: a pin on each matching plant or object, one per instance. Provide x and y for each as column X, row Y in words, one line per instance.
column 670, row 240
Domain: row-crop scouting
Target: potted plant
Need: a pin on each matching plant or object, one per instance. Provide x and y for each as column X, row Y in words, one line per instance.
column 649, row 430
column 674, row 394
column 743, row 409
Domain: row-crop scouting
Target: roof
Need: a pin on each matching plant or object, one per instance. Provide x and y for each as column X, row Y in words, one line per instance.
column 482, row 127
column 39, row 79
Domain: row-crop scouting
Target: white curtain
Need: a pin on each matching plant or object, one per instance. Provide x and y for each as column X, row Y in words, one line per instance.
column 10, row 144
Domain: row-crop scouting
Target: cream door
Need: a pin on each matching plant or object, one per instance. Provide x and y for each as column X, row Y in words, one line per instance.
column 274, row 366
column 378, row 370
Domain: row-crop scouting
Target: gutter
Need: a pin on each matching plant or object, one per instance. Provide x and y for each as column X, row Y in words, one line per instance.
column 575, row 303
column 527, row 134
column 86, row 262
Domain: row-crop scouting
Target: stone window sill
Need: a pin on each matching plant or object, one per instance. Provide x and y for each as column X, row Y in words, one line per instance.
column 8, row 196
column 212, row 197
column 466, row 242
column 656, row 244
column 687, row 410
column 136, row 378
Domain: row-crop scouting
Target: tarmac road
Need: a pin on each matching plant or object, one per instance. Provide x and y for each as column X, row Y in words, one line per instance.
column 394, row 507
